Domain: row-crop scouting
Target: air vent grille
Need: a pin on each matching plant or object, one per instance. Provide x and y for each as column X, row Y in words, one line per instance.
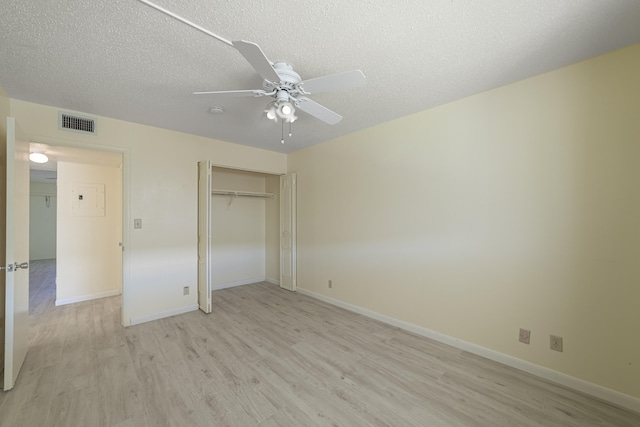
column 77, row 123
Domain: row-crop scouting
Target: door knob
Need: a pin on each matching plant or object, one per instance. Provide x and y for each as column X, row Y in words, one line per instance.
column 23, row 265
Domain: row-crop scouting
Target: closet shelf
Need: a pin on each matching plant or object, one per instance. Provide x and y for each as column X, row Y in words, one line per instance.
column 241, row 194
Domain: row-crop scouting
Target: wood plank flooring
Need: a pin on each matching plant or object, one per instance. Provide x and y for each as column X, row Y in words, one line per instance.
column 266, row 357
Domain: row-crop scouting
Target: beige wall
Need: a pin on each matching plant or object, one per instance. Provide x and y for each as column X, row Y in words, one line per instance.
column 517, row 207
column 161, row 189
column 4, row 112
column 89, row 258
column 42, row 221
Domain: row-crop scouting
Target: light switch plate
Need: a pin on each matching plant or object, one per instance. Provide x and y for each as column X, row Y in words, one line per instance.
column 137, row 223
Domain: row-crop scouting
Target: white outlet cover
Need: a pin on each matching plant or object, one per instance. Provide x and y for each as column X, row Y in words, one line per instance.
column 555, row 343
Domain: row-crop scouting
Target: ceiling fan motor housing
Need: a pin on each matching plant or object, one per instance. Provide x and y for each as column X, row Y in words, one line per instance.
column 288, row 78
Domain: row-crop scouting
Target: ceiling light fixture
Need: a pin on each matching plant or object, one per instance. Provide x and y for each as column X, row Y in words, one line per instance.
column 37, row 157
column 216, row 110
column 271, row 112
column 285, row 110
column 282, row 108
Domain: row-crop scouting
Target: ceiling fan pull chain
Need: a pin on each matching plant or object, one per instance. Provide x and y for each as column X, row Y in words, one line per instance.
column 282, row 140
column 289, row 129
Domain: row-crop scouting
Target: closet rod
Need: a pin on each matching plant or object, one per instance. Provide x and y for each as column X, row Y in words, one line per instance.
column 241, row 194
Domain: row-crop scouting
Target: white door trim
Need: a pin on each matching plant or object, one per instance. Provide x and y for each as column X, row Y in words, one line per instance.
column 204, row 236
column 126, row 210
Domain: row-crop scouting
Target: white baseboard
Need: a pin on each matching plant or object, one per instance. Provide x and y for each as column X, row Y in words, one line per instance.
column 272, row 281
column 168, row 313
column 64, row 301
column 238, row 283
column 603, row 393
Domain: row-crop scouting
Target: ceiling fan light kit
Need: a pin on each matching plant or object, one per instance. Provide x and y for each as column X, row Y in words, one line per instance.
column 271, row 112
column 286, row 112
column 285, row 109
column 280, row 81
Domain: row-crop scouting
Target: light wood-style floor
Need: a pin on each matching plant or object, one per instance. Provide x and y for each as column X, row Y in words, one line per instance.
column 266, row 357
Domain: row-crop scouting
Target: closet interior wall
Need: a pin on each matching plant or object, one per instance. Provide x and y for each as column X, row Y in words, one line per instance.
column 245, row 245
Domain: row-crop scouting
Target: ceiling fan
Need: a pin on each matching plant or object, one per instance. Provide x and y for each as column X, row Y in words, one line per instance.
column 280, row 81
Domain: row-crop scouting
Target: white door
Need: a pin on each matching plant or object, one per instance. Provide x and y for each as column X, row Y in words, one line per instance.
column 204, row 236
column 17, row 254
column 288, row 231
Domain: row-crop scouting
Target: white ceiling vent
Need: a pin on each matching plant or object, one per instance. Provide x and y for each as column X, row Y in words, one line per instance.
column 76, row 123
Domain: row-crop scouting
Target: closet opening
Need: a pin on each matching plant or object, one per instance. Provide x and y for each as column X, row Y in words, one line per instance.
column 246, row 229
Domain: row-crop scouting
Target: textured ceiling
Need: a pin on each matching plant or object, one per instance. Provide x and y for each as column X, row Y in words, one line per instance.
column 125, row 60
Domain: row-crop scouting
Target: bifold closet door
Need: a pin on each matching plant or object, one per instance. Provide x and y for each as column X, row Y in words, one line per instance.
column 288, row 231
column 204, row 236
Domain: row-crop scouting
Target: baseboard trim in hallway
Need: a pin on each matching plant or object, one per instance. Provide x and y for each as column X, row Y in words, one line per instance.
column 72, row 300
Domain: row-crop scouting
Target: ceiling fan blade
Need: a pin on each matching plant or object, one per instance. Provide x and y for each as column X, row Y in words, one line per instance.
column 258, row 60
column 255, row 93
column 318, row 111
column 338, row 81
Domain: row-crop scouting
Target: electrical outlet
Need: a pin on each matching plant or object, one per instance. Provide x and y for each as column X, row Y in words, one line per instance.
column 555, row 343
column 525, row 336
column 330, row 284
column 185, row 290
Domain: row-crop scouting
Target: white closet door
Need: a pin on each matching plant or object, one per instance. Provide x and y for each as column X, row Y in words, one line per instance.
column 288, row 231
column 16, row 263
column 204, row 236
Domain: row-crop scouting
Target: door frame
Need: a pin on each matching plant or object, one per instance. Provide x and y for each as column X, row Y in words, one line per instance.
column 126, row 209
column 204, row 236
